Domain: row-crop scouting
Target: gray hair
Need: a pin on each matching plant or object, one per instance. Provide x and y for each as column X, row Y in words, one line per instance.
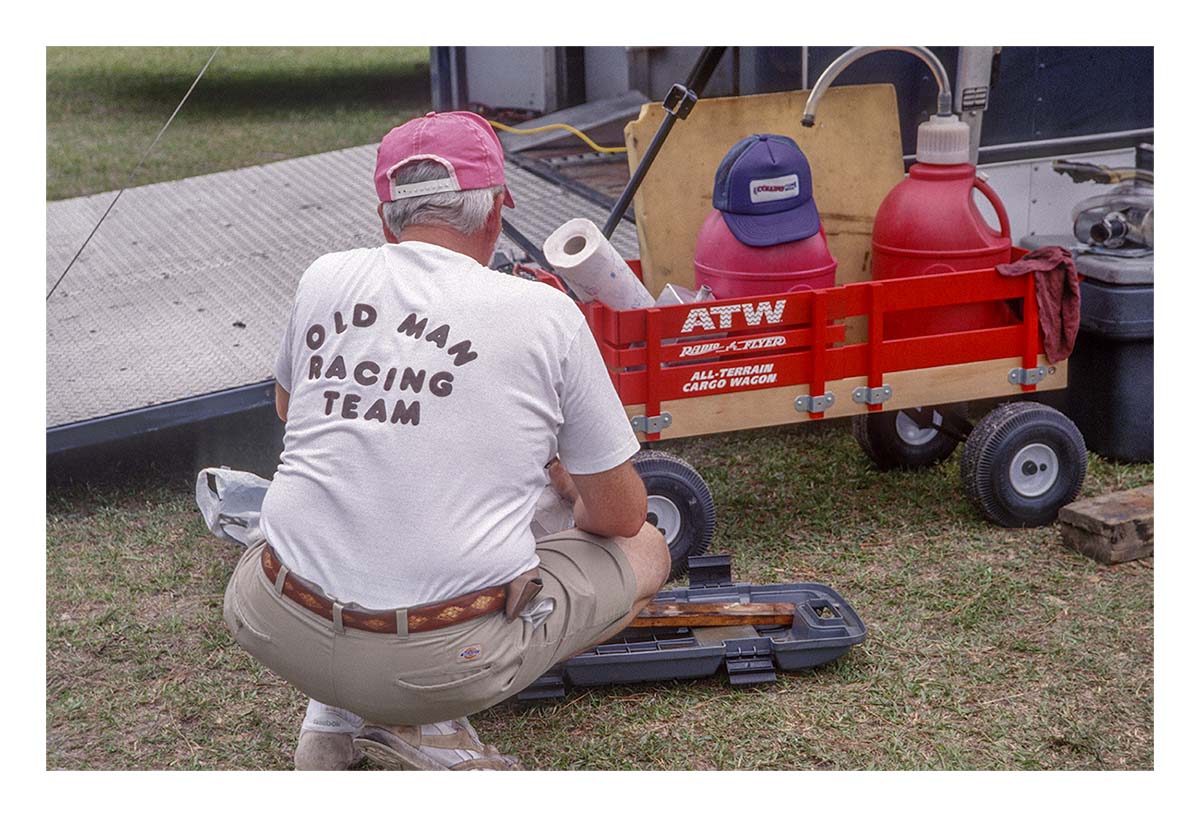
column 464, row 211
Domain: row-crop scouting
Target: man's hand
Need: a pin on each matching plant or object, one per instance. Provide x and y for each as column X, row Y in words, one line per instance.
column 564, row 486
column 281, row 402
column 610, row 503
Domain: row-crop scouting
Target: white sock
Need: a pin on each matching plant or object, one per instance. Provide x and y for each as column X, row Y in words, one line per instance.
column 324, row 718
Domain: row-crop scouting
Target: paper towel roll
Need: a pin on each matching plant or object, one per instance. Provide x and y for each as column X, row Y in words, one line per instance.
column 581, row 254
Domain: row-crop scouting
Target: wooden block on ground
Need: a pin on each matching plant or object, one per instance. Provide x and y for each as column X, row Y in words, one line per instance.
column 1117, row 527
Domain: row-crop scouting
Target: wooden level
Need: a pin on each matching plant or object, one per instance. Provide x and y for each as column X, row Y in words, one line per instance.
column 713, row 614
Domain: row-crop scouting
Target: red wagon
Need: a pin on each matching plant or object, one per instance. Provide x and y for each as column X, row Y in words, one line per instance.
column 740, row 363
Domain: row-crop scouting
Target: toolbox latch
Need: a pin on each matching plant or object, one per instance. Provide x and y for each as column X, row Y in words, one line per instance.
column 711, row 570
column 746, row 671
column 814, row 405
column 1027, row 377
column 653, row 424
column 872, row 397
column 749, row 662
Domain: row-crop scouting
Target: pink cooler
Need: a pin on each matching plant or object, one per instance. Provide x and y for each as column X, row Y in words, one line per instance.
column 733, row 269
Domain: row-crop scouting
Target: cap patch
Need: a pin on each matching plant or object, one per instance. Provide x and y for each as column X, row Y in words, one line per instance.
column 408, row 191
column 781, row 187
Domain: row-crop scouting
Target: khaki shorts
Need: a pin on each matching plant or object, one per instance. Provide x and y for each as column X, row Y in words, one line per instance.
column 441, row 674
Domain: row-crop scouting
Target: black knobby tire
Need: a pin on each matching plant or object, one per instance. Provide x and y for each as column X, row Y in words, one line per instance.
column 1022, row 463
column 892, row 441
column 679, row 504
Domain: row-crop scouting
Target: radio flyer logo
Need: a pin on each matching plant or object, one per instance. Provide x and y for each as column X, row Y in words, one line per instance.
column 348, row 384
column 471, row 653
column 743, row 345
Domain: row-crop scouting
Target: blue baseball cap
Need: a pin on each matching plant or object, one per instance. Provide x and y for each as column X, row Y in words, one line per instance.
column 764, row 191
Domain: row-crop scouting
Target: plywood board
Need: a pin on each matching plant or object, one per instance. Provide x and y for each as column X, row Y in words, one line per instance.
column 854, row 152
column 694, row 416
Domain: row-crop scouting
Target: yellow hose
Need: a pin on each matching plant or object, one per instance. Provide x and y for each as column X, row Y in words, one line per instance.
column 559, row 126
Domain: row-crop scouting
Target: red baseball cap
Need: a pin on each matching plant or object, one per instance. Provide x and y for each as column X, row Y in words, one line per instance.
column 460, row 141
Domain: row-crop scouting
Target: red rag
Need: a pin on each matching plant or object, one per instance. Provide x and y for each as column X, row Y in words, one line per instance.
column 1056, row 287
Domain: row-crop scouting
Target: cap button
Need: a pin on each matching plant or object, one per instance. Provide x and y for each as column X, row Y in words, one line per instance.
column 762, row 137
column 431, row 113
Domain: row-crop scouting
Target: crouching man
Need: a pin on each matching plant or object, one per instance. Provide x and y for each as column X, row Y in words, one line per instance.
column 424, row 396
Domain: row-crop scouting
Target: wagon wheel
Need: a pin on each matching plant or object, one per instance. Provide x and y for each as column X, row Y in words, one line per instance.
column 678, row 503
column 1022, row 463
column 894, row 440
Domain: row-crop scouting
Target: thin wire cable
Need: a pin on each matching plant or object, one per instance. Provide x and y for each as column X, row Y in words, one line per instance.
column 133, row 173
column 557, row 126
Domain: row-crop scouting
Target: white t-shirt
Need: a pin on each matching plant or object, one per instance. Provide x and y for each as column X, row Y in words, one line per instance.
column 428, row 392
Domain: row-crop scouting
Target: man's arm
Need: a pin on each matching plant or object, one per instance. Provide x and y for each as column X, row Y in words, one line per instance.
column 281, row 401
column 610, row 503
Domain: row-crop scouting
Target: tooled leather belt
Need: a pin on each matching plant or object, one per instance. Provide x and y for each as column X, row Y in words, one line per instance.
column 426, row 617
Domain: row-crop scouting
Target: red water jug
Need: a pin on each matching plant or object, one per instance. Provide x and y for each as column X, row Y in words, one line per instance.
column 732, row 269
column 929, row 224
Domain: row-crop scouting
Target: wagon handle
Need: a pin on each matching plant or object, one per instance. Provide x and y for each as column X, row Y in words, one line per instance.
column 678, row 104
column 994, row 199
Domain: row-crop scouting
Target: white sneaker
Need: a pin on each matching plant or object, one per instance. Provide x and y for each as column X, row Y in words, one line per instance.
column 448, row 745
column 325, row 752
column 326, row 741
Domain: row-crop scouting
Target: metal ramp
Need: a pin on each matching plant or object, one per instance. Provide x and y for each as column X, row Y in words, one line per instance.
column 174, row 311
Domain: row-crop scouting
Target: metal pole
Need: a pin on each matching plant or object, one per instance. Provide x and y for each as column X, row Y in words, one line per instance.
column 678, row 104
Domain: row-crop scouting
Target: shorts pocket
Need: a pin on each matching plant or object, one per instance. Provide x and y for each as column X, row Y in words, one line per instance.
column 235, row 615
column 236, row 619
column 436, row 682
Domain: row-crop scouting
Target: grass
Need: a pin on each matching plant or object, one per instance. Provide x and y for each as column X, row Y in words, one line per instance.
column 254, row 105
column 987, row 648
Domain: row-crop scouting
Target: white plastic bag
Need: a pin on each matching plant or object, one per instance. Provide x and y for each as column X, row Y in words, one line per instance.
column 231, row 503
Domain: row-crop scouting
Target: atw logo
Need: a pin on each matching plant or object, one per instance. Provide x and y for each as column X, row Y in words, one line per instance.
column 702, row 318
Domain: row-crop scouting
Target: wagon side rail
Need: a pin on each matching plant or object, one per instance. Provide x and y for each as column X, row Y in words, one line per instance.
column 739, row 363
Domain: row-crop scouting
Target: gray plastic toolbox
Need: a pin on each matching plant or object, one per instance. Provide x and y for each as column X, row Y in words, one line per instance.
column 824, row 629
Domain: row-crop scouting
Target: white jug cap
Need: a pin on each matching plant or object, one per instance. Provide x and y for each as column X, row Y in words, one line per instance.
column 944, row 140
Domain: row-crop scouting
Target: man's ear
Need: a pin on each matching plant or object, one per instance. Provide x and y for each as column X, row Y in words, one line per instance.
column 387, row 231
column 494, row 223
column 498, row 212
